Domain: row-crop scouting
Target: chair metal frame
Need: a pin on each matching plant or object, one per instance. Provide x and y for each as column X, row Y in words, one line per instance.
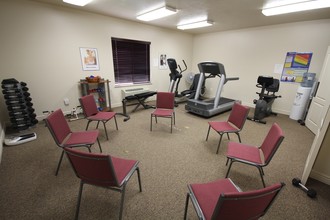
column 91, row 113
column 233, row 197
column 112, row 184
column 234, row 124
column 266, row 161
column 69, row 135
column 165, row 103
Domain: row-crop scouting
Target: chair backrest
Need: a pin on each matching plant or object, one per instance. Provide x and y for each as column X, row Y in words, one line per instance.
column 238, row 115
column 93, row 168
column 272, row 141
column 88, row 105
column 58, row 126
column 246, row 205
column 165, row 100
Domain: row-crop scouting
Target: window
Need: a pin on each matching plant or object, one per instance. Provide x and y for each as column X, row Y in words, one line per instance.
column 131, row 61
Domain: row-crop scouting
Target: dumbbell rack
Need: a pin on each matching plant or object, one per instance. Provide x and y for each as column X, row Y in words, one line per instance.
column 19, row 104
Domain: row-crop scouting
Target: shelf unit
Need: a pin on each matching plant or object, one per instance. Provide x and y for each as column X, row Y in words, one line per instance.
column 100, row 90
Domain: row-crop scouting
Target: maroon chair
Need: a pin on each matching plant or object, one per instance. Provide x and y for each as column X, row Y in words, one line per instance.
column 91, row 113
column 164, row 107
column 234, row 124
column 253, row 155
column 64, row 137
column 222, row 199
column 103, row 171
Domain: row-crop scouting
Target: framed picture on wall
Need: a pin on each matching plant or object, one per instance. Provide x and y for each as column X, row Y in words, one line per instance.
column 89, row 59
column 162, row 61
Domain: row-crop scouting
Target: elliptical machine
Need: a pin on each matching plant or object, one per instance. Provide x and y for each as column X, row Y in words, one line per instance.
column 267, row 96
column 175, row 75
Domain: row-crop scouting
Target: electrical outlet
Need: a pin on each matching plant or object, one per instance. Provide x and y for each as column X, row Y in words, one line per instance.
column 66, row 101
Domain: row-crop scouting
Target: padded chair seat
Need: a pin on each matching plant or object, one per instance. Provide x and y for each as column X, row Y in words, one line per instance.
column 244, row 152
column 163, row 112
column 102, row 116
column 122, row 167
column 207, row 194
column 222, row 126
column 82, row 138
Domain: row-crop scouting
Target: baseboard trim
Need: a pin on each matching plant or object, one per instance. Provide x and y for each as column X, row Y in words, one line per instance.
column 320, row 177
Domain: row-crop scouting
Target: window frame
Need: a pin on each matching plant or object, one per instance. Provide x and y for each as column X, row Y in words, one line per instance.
column 131, row 61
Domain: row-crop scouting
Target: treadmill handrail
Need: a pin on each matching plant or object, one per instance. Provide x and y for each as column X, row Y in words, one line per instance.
column 232, row 78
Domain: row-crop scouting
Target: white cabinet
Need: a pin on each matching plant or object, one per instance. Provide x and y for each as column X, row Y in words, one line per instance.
column 318, row 110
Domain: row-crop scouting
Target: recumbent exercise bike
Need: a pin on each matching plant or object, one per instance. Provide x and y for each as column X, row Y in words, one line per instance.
column 267, row 96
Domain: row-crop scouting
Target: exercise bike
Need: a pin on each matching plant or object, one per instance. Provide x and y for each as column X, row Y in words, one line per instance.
column 267, row 96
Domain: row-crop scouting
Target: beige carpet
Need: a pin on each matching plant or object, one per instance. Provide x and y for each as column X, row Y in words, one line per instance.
column 168, row 162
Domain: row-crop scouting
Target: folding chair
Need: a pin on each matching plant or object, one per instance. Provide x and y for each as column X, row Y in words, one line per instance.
column 234, row 124
column 103, row 171
column 64, row 137
column 164, row 107
column 256, row 156
column 91, row 113
column 222, row 199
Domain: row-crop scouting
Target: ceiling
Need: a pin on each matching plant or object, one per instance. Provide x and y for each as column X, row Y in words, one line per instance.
column 226, row 14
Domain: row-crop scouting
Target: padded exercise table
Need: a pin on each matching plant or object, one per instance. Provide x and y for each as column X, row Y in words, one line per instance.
column 139, row 100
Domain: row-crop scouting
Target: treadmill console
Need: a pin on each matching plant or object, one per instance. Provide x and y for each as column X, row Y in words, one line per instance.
column 212, row 68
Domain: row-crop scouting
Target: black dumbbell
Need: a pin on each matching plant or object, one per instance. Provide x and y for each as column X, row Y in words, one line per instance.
column 310, row 192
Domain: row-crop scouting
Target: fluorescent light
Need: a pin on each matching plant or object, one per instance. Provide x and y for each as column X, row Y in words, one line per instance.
column 198, row 24
column 157, row 13
column 78, row 2
column 301, row 6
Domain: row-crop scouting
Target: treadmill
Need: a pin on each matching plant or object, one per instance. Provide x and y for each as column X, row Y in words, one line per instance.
column 214, row 106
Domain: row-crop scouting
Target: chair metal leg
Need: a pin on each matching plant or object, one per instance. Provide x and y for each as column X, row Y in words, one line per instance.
column 231, row 162
column 151, row 123
column 105, row 129
column 261, row 175
column 79, row 199
column 98, row 141
column 88, row 124
column 97, row 125
column 239, row 137
column 186, row 207
column 208, row 132
column 122, row 202
column 174, row 116
column 228, row 136
column 219, row 143
column 171, row 123
column 116, row 122
column 227, row 161
column 139, row 178
column 59, row 163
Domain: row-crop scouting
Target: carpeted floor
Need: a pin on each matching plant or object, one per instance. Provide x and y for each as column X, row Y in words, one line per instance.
column 168, row 162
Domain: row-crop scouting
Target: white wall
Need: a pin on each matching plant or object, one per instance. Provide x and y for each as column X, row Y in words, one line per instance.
column 40, row 45
column 248, row 53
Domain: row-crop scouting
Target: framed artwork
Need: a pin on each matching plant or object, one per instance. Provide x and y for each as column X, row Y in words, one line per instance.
column 295, row 65
column 89, row 59
column 162, row 61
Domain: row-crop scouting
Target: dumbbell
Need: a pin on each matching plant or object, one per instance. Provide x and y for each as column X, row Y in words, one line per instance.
column 310, row 192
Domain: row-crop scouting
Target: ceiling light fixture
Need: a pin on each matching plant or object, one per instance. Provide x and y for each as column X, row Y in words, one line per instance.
column 300, row 6
column 77, row 2
column 157, row 13
column 198, row 24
